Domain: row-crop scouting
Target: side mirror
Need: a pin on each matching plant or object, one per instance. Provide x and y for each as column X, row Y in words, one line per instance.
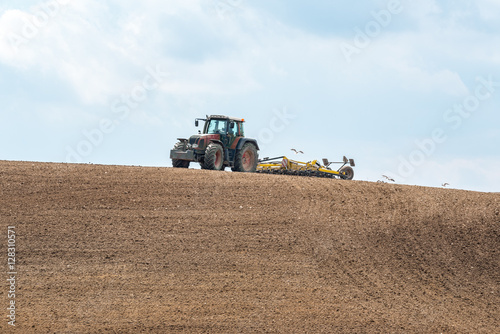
column 196, row 123
column 346, row 160
column 231, row 125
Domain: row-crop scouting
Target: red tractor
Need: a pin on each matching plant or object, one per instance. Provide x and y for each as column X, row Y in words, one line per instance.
column 222, row 144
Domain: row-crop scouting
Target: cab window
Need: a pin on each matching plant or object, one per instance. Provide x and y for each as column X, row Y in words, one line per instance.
column 233, row 129
column 217, row 126
column 240, row 129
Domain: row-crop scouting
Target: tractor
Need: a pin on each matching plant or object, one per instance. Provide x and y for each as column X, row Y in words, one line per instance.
column 222, row 144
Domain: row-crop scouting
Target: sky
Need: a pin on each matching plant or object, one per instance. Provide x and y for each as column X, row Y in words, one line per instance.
column 408, row 89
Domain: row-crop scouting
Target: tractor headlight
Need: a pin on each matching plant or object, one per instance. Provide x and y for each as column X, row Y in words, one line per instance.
column 195, row 146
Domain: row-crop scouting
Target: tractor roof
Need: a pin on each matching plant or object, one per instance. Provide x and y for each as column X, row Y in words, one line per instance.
column 226, row 117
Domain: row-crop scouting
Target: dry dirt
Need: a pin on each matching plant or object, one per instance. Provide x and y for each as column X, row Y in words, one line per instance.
column 133, row 249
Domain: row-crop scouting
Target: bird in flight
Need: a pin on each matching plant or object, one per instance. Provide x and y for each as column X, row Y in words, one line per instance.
column 445, row 184
column 388, row 178
column 297, row 152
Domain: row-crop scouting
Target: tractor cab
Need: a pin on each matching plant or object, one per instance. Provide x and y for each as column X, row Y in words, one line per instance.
column 223, row 128
column 223, row 125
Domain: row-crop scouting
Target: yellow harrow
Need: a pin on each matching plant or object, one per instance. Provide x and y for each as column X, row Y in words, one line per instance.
column 283, row 165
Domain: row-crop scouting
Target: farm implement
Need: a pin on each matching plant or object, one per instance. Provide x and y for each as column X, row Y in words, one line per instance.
column 223, row 144
column 283, row 165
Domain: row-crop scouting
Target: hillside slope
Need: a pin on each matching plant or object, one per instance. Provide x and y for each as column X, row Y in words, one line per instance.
column 133, row 249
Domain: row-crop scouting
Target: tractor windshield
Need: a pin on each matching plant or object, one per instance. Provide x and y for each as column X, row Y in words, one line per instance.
column 217, row 126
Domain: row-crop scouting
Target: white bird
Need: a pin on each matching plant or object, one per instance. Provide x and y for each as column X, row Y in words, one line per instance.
column 445, row 184
column 297, row 152
column 388, row 178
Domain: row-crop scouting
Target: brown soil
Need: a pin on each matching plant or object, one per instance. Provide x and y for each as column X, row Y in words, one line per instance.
column 133, row 249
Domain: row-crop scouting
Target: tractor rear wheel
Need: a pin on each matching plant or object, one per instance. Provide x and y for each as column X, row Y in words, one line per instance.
column 180, row 163
column 214, row 157
column 348, row 172
column 246, row 159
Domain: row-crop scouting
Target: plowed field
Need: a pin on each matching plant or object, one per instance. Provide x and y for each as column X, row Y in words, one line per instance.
column 134, row 249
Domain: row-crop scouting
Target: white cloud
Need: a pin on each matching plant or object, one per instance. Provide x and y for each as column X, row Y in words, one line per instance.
column 65, row 44
column 100, row 57
column 12, row 38
column 416, row 79
column 422, row 11
column 489, row 9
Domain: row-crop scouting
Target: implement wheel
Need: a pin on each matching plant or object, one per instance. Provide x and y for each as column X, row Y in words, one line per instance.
column 348, row 172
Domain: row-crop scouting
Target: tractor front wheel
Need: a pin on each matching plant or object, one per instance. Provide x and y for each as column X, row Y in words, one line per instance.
column 246, row 159
column 180, row 163
column 214, row 157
